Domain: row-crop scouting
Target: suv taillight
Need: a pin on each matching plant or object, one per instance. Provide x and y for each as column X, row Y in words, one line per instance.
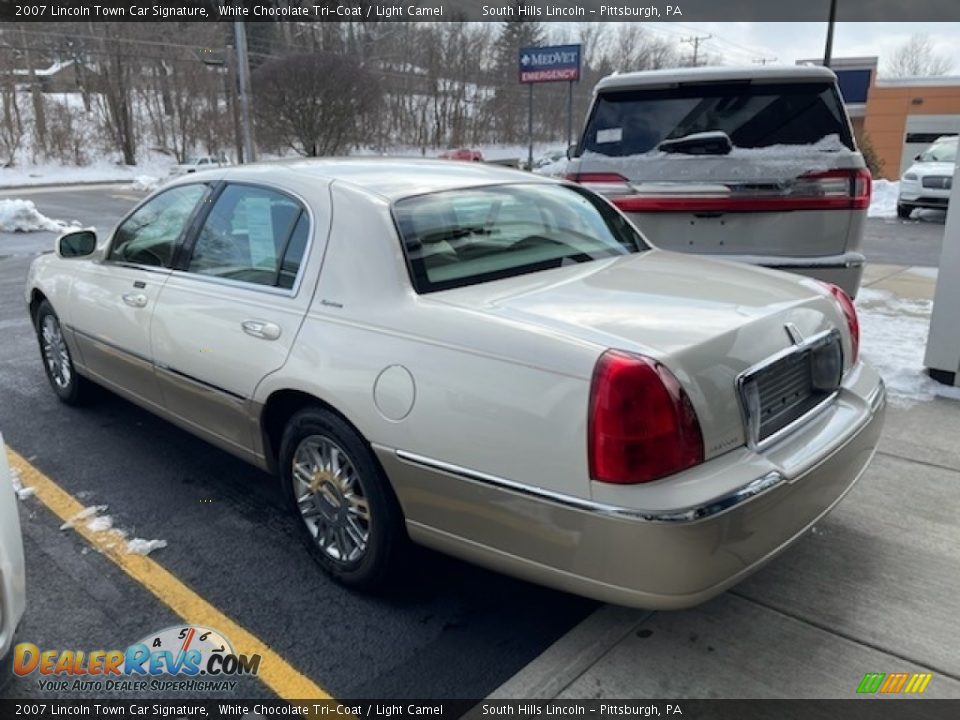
column 605, row 183
column 850, row 313
column 852, row 188
column 642, row 426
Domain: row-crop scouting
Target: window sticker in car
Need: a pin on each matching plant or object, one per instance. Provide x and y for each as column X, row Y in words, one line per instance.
column 260, row 231
column 610, row 135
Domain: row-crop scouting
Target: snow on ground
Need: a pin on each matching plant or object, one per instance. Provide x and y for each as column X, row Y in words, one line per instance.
column 883, row 203
column 101, row 171
column 19, row 488
column 23, row 216
column 893, row 335
column 145, row 183
column 95, row 521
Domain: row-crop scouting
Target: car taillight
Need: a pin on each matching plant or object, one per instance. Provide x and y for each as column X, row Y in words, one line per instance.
column 605, row 183
column 853, row 187
column 850, row 313
column 642, row 425
column 830, row 190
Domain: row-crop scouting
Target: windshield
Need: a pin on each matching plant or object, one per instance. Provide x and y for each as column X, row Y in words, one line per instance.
column 940, row 152
column 634, row 122
column 463, row 237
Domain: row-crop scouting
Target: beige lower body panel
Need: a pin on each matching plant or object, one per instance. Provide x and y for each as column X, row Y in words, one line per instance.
column 616, row 559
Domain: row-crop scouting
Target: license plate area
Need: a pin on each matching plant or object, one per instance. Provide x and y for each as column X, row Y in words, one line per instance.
column 790, row 388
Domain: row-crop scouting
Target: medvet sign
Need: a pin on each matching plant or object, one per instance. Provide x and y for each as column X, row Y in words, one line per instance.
column 550, row 64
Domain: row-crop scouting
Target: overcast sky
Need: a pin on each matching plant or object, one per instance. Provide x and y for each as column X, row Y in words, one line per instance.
column 742, row 42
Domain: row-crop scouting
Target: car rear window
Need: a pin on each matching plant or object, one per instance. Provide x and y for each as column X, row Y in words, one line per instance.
column 634, row 122
column 463, row 237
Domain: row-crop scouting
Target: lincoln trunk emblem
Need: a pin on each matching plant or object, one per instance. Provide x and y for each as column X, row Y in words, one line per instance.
column 796, row 337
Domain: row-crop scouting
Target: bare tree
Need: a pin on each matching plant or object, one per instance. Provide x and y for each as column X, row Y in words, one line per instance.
column 311, row 102
column 917, row 58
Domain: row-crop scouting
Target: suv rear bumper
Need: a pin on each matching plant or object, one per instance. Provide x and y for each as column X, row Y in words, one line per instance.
column 845, row 270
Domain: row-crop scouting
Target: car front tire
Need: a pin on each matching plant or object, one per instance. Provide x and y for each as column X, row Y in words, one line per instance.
column 346, row 510
column 904, row 211
column 57, row 361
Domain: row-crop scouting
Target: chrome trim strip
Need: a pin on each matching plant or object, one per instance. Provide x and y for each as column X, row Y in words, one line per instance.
column 759, row 445
column 196, row 381
column 112, row 346
column 725, row 503
column 751, row 490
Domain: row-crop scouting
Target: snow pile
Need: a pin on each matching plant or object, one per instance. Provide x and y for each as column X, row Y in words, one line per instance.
column 775, row 163
column 145, row 183
column 893, row 335
column 114, row 539
column 883, row 202
column 19, row 488
column 553, row 169
column 23, row 216
column 139, row 546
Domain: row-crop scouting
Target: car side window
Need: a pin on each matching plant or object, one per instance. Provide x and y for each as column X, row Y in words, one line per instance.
column 150, row 235
column 252, row 235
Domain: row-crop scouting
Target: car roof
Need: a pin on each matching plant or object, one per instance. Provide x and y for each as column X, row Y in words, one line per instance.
column 389, row 178
column 762, row 74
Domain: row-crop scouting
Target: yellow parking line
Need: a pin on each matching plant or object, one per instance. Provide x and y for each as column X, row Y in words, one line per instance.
column 279, row 675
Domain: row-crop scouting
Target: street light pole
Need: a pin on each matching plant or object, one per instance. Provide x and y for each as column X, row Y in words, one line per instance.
column 828, row 50
column 243, row 75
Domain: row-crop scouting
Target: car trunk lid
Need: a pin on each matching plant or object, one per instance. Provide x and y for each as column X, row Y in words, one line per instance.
column 706, row 321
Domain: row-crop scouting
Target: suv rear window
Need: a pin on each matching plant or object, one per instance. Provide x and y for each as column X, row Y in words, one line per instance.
column 634, row 122
column 463, row 237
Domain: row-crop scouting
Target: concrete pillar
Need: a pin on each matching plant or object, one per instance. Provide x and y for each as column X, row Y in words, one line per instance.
column 943, row 344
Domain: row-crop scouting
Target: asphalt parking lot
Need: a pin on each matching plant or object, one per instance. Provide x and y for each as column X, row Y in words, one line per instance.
column 452, row 631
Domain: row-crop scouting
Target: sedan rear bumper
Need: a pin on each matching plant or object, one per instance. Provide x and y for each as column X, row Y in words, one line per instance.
column 636, row 558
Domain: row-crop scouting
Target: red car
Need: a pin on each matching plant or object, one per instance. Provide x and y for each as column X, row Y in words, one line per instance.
column 462, row 154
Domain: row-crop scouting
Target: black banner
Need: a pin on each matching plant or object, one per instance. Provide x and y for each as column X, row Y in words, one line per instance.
column 473, row 10
column 856, row 709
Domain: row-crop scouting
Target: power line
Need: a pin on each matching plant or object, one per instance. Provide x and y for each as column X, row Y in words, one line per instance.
column 695, row 41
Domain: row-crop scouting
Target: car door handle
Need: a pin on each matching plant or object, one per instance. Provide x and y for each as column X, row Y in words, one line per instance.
column 137, row 300
column 261, row 329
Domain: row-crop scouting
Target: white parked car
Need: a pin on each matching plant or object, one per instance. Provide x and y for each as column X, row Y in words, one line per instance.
column 927, row 183
column 753, row 164
column 487, row 362
column 12, row 579
column 201, row 162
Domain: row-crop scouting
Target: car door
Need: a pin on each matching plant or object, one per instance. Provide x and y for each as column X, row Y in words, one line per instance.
column 112, row 300
column 229, row 313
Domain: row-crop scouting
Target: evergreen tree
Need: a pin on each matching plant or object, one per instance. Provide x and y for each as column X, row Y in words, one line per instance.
column 509, row 97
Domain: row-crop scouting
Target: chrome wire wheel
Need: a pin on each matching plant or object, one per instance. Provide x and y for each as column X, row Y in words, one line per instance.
column 55, row 352
column 331, row 499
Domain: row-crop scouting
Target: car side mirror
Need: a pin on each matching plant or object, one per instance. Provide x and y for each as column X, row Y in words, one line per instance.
column 916, row 158
column 77, row 243
column 571, row 152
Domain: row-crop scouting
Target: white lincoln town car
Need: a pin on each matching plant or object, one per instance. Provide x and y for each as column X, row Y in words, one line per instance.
column 485, row 362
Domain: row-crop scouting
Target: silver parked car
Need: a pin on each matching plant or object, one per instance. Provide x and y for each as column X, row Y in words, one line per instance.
column 490, row 363
column 753, row 164
column 12, row 580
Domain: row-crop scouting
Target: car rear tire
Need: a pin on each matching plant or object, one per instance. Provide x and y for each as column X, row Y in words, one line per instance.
column 904, row 211
column 347, row 512
column 57, row 361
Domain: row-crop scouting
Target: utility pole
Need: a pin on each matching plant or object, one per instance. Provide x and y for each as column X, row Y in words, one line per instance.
column 695, row 41
column 828, row 49
column 243, row 75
